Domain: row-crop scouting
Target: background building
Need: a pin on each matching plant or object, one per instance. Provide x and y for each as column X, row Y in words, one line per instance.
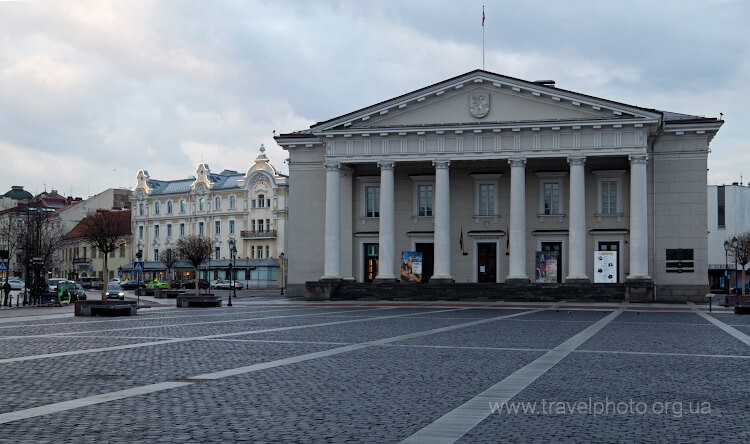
column 249, row 208
column 489, row 177
column 728, row 216
column 78, row 258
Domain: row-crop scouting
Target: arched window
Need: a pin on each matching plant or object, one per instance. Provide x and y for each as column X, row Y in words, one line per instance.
column 157, row 208
column 201, row 204
column 169, row 207
column 217, row 203
column 140, row 209
column 182, row 206
column 232, row 202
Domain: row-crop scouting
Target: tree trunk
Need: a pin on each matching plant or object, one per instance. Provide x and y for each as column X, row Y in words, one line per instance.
column 196, row 282
column 743, row 281
column 104, row 277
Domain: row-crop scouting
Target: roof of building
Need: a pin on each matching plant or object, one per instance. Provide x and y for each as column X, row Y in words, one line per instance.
column 124, row 222
column 18, row 193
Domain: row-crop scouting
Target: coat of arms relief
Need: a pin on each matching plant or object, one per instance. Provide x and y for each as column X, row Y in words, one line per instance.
column 479, row 104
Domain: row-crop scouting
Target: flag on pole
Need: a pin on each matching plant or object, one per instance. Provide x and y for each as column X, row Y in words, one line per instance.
column 482, row 16
column 461, row 240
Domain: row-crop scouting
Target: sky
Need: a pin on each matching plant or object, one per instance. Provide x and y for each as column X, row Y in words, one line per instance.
column 93, row 91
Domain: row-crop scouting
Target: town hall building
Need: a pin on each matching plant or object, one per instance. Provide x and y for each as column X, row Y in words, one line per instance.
column 499, row 183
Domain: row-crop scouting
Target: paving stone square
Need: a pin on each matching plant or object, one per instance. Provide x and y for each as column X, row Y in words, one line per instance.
column 290, row 371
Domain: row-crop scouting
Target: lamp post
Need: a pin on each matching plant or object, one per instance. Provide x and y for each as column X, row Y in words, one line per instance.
column 232, row 251
column 281, row 256
column 727, row 247
column 735, row 244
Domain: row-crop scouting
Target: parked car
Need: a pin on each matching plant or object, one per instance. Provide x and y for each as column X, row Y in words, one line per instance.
column 157, row 284
column 115, row 281
column 115, row 291
column 738, row 289
column 75, row 291
column 53, row 283
column 191, row 284
column 16, row 284
column 224, row 284
column 131, row 285
column 90, row 282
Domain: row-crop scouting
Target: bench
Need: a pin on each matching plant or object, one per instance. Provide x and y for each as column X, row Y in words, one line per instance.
column 105, row 308
column 111, row 310
column 199, row 301
column 163, row 293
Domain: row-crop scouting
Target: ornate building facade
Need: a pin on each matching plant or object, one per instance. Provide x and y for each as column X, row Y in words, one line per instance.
column 248, row 208
column 489, row 178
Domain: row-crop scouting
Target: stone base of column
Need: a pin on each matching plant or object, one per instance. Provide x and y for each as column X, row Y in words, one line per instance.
column 577, row 280
column 321, row 290
column 517, row 281
column 639, row 289
column 441, row 280
column 331, row 278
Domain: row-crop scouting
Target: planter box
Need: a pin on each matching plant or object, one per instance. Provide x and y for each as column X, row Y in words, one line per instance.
column 84, row 308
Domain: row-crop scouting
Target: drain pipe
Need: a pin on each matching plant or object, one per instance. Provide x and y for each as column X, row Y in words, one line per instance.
column 659, row 132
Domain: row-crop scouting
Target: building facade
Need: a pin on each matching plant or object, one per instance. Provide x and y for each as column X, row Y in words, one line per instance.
column 248, row 208
column 728, row 216
column 487, row 175
column 78, row 258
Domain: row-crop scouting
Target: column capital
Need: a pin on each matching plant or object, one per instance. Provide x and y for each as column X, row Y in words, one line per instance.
column 517, row 162
column 332, row 166
column 576, row 160
column 440, row 164
column 387, row 165
column 638, row 158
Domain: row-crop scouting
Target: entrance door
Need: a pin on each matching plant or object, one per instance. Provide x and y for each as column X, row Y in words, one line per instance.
column 428, row 259
column 555, row 246
column 612, row 246
column 487, row 262
column 371, row 262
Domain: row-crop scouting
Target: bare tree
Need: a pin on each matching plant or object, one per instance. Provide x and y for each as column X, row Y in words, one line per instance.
column 194, row 249
column 741, row 251
column 40, row 237
column 168, row 258
column 9, row 232
column 104, row 230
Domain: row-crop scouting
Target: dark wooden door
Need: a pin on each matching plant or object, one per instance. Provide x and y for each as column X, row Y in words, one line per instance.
column 428, row 259
column 486, row 262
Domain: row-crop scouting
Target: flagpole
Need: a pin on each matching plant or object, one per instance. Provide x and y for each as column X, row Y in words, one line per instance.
column 482, row 37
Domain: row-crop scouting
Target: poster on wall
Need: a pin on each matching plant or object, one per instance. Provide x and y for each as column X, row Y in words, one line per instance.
column 605, row 267
column 546, row 267
column 411, row 266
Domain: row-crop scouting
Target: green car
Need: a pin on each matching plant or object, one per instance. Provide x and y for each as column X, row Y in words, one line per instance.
column 157, row 284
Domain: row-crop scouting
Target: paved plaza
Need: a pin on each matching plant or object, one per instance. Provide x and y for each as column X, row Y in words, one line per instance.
column 276, row 370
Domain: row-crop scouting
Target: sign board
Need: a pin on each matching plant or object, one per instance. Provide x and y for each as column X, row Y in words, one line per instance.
column 119, row 272
column 546, row 267
column 137, row 267
column 372, row 250
column 411, row 266
column 3, row 266
column 605, row 267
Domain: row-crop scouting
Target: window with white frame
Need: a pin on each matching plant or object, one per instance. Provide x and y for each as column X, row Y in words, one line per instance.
column 486, row 199
column 551, row 193
column 486, row 194
column 183, row 206
column 261, row 201
column 268, row 224
column 182, row 229
column 268, row 251
column 232, row 202
column 169, row 230
column 156, row 254
column 260, row 252
column 217, row 203
column 201, row 204
column 157, row 208
column 231, row 227
column 140, row 209
column 200, row 229
column 217, row 227
column 252, row 225
column 156, row 230
column 217, row 252
column 425, row 195
column 169, row 207
column 551, row 197
column 140, row 231
column 252, row 252
column 609, row 192
column 372, row 201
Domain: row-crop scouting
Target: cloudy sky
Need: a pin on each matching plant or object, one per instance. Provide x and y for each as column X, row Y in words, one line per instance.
column 91, row 92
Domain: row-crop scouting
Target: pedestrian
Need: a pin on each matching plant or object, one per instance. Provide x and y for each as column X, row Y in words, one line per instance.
column 6, row 291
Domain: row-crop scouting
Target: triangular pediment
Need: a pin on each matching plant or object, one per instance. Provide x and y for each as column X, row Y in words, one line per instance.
column 479, row 98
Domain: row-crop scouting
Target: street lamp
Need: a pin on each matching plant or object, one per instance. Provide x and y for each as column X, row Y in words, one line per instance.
column 735, row 244
column 727, row 247
column 281, row 256
column 233, row 252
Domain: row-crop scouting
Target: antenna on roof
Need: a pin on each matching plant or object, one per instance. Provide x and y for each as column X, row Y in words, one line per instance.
column 721, row 116
column 274, row 133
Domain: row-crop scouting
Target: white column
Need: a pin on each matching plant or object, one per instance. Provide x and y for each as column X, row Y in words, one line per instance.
column 577, row 222
column 442, row 221
column 517, row 241
column 638, row 218
column 386, row 238
column 332, row 264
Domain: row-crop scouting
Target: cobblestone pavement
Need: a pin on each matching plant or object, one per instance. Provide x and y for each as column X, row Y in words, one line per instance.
column 280, row 370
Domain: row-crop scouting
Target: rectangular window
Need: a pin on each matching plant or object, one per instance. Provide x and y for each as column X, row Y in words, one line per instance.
column 252, row 252
column 609, row 197
column 486, row 199
column 268, row 224
column 140, row 231
column 372, row 199
column 122, row 250
column 169, row 230
column 217, row 227
column 551, row 198
column 424, row 200
column 156, row 231
column 217, row 253
column 253, row 225
column 182, row 229
column 268, row 251
column 260, row 225
column 260, row 252
column 93, row 253
column 156, row 254
column 200, row 229
column 721, row 205
column 231, row 227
